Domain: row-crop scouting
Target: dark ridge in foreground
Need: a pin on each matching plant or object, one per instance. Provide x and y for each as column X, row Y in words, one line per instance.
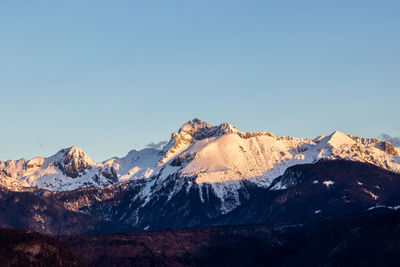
column 372, row 239
column 24, row 248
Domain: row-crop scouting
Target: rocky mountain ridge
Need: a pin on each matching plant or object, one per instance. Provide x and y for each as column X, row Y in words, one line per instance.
column 221, row 156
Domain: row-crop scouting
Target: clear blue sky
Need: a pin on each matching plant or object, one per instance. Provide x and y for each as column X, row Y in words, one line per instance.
column 111, row 76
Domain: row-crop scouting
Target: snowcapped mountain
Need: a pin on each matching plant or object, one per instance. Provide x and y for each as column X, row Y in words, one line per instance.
column 220, row 156
column 69, row 168
column 207, row 172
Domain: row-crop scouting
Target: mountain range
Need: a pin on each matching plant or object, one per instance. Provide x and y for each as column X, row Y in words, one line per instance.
column 205, row 176
column 216, row 155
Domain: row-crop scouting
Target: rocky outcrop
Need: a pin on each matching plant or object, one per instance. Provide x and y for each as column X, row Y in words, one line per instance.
column 387, row 148
column 74, row 162
column 109, row 173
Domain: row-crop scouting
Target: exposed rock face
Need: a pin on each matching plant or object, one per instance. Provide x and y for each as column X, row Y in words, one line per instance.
column 36, row 212
column 74, row 162
column 195, row 130
column 387, row 148
column 107, row 172
column 34, row 163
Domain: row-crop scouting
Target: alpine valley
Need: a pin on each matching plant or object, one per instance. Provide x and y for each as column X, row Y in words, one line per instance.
column 208, row 181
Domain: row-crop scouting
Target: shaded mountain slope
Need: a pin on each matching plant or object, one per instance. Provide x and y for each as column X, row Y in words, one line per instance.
column 26, row 210
column 308, row 193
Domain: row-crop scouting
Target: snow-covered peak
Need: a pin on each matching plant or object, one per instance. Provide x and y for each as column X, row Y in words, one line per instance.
column 337, row 140
column 198, row 130
column 190, row 132
column 69, row 152
column 192, row 128
column 136, row 164
column 72, row 161
column 73, row 153
column 35, row 163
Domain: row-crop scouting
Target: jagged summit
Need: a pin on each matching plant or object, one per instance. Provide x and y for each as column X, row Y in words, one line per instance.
column 70, row 154
column 193, row 126
column 339, row 139
column 198, row 129
column 72, row 161
column 193, row 130
column 342, row 141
